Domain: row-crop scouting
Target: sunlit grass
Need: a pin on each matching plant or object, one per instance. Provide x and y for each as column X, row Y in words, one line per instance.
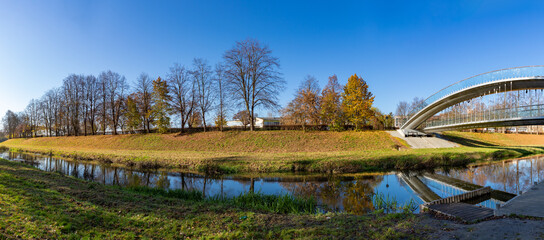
column 42, row 205
column 193, row 195
column 283, row 203
column 285, row 151
column 389, row 204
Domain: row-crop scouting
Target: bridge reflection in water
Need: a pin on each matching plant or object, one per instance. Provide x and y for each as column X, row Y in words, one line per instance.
column 351, row 193
column 430, row 187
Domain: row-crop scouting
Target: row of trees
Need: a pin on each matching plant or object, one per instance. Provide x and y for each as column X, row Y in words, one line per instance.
column 87, row 105
column 82, row 105
column 247, row 79
column 335, row 105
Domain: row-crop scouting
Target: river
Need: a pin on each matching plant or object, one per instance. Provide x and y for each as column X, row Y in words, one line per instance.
column 348, row 192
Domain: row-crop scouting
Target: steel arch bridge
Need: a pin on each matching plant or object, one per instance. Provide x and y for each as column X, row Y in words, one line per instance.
column 507, row 97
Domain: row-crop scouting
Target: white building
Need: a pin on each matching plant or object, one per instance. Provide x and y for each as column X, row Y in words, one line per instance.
column 400, row 120
column 260, row 122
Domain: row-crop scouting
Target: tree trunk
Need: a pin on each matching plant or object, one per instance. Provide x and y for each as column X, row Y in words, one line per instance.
column 252, row 119
column 204, row 122
column 182, row 123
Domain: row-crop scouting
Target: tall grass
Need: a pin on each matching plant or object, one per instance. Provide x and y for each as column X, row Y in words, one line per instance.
column 193, row 195
column 390, row 204
column 284, row 203
column 257, row 201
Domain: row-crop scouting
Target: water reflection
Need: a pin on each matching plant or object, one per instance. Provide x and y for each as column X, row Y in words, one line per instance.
column 509, row 176
column 334, row 193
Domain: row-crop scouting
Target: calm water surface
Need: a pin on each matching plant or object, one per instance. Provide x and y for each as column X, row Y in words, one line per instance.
column 334, row 193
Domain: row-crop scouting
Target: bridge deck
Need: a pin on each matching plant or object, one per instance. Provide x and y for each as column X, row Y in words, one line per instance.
column 463, row 211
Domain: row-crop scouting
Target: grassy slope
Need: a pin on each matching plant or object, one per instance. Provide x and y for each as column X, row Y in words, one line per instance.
column 501, row 139
column 269, row 151
column 39, row 205
column 230, row 142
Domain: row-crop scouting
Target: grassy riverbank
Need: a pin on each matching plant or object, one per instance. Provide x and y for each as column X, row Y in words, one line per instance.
column 273, row 151
column 42, row 205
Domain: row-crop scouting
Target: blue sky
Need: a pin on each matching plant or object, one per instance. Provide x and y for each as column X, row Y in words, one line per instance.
column 403, row 49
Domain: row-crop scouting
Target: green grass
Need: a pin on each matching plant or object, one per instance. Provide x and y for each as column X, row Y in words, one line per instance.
column 270, row 203
column 389, row 204
column 193, row 195
column 284, row 151
column 42, row 205
column 258, row 201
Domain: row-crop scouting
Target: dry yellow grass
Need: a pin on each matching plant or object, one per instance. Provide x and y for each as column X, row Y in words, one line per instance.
column 233, row 141
column 502, row 139
column 263, row 151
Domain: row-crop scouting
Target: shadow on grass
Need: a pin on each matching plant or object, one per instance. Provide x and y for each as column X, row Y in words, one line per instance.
column 79, row 208
column 467, row 142
column 522, row 151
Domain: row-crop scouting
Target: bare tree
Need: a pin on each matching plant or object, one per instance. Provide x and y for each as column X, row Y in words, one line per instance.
column 416, row 102
column 144, row 86
column 73, row 92
column 116, row 88
column 220, row 84
column 50, row 107
column 202, row 75
column 44, row 115
column 252, row 76
column 182, row 92
column 91, row 103
column 32, row 114
column 103, row 101
column 402, row 109
column 243, row 117
column 11, row 122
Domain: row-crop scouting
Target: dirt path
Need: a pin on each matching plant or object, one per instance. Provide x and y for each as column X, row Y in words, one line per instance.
column 530, row 203
column 504, row 228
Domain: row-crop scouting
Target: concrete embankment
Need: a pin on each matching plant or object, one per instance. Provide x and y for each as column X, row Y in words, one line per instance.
column 529, row 203
column 424, row 142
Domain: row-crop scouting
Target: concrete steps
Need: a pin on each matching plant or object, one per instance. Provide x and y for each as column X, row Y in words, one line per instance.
column 424, row 142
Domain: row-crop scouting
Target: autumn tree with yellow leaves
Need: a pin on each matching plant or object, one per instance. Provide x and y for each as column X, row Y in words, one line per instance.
column 305, row 108
column 357, row 101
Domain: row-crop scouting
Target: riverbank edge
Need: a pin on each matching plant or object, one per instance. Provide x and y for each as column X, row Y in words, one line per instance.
column 351, row 162
column 38, row 204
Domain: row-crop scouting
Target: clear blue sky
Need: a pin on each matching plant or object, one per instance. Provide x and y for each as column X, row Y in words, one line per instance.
column 403, row 49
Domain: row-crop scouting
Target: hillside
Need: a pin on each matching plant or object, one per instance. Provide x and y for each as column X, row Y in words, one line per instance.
column 498, row 139
column 273, row 151
column 231, row 141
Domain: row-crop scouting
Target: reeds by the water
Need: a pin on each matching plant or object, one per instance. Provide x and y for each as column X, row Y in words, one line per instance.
column 193, row 195
column 284, row 203
column 390, row 204
column 270, row 203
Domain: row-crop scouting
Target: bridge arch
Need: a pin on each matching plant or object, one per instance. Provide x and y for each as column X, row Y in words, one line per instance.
column 505, row 80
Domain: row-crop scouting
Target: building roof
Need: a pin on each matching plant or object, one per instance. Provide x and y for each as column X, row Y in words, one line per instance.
column 269, row 118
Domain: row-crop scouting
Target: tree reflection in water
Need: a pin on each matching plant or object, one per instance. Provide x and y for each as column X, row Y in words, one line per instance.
column 334, row 193
column 509, row 175
column 353, row 196
column 358, row 194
